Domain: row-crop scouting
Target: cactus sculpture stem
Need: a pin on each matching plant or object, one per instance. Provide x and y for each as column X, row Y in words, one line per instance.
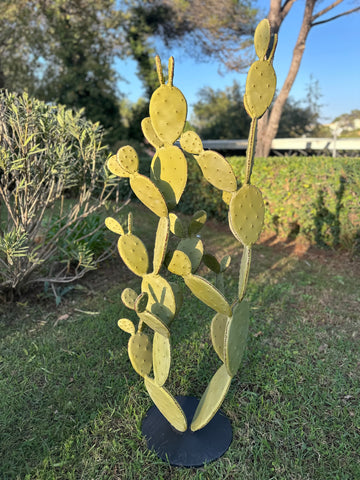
column 149, row 346
column 250, row 151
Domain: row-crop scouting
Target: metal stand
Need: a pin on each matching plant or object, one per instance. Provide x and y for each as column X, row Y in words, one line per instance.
column 187, row 449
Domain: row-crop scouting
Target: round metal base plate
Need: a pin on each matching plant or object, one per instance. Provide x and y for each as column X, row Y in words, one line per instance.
column 187, row 449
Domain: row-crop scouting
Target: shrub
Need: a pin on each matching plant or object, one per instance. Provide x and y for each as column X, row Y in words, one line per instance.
column 317, row 197
column 48, row 153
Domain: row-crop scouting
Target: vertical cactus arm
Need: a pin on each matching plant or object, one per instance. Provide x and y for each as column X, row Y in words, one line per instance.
column 250, row 151
column 244, row 271
column 161, row 243
column 171, row 71
column 159, row 70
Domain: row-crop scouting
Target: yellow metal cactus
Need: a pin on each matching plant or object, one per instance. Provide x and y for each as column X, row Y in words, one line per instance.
column 159, row 301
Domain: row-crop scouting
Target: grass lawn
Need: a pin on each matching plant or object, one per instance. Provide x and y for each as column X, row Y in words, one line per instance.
column 71, row 406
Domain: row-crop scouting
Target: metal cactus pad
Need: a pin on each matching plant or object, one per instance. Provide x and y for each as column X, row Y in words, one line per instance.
column 159, row 300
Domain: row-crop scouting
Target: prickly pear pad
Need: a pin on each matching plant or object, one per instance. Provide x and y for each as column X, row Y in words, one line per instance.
column 117, row 169
column 114, row 225
column 161, row 242
column 150, row 134
column 128, row 159
column 208, row 294
column 217, row 170
column 235, row 337
column 191, row 142
column 167, row 405
column 168, row 110
column 211, row 262
column 258, row 100
column 218, row 327
column 161, row 358
column 126, row 325
column 169, row 173
column 193, row 249
column 161, row 296
column 149, row 194
column 128, row 297
column 155, row 323
column 212, row 399
column 134, row 254
column 246, row 214
column 180, row 263
column 262, row 38
column 141, row 302
column 140, row 353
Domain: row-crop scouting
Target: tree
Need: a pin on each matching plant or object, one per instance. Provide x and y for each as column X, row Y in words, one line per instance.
column 269, row 124
column 220, row 114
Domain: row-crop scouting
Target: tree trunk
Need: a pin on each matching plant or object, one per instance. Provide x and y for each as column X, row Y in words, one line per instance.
column 268, row 131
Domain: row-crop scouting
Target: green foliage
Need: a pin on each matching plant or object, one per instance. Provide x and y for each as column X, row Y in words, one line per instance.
column 220, row 114
column 314, row 196
column 47, row 152
column 296, row 120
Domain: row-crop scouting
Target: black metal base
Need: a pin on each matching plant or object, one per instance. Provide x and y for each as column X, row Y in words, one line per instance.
column 188, row 449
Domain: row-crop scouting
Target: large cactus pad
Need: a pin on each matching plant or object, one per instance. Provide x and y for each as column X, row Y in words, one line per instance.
column 167, row 405
column 161, row 358
column 235, row 337
column 246, row 214
column 140, row 353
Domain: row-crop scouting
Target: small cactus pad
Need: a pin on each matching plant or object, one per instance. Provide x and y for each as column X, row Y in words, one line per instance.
column 191, row 142
column 208, row 294
column 161, row 358
column 126, row 325
column 246, row 214
column 128, row 159
column 225, row 263
column 161, row 297
column 114, row 225
column 262, row 38
column 161, row 242
column 140, row 353
column 128, row 297
column 150, row 134
column 149, row 194
column 244, row 271
column 167, row 405
column 218, row 326
column 115, row 167
column 176, row 226
column 179, row 264
column 155, row 323
column 169, row 173
column 212, row 399
column 141, row 302
column 211, row 262
column 197, row 222
column 235, row 337
column 134, row 254
column 260, row 88
column 168, row 110
column 217, row 170
column 193, row 249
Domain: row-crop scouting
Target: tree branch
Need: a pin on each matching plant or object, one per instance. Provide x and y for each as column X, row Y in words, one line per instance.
column 356, row 9
column 325, row 10
column 286, row 7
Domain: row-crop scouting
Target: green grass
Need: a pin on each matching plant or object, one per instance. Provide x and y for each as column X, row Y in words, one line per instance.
column 71, row 406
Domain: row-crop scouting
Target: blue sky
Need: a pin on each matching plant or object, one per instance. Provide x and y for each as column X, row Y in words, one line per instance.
column 331, row 57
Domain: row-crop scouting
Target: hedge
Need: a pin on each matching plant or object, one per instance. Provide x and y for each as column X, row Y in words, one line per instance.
column 317, row 197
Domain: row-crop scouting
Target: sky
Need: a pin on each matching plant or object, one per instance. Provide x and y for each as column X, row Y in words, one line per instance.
column 331, row 58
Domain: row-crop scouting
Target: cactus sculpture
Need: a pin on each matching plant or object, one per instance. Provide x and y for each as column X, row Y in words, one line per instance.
column 159, row 301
